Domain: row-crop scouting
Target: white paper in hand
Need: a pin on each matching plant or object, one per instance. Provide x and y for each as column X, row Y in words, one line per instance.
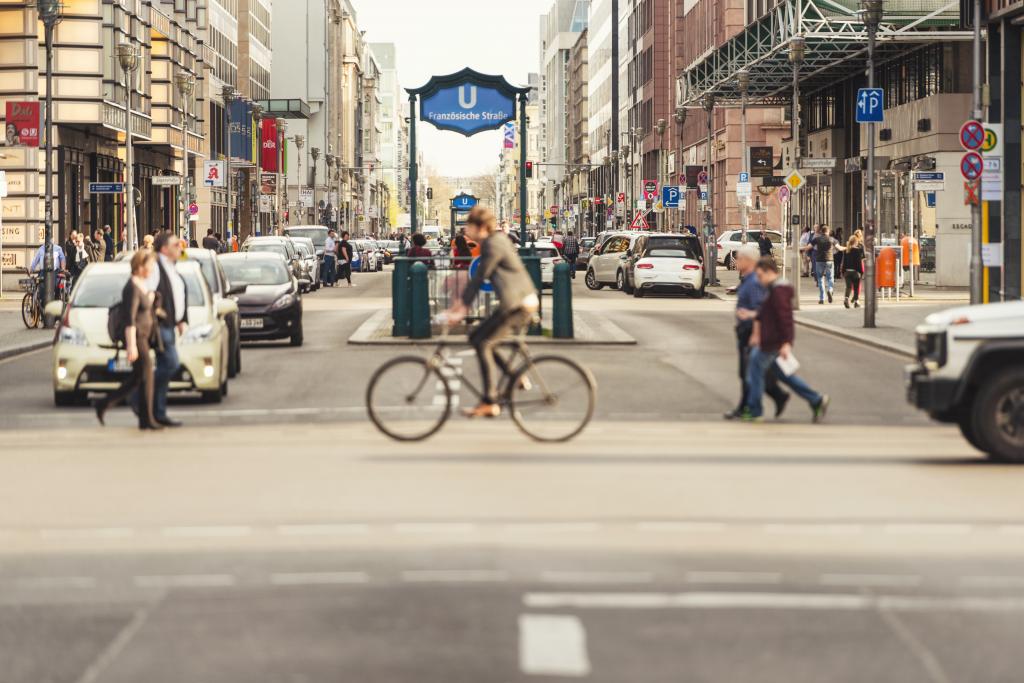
column 789, row 365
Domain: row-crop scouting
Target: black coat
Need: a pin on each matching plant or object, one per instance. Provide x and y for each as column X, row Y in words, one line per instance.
column 167, row 298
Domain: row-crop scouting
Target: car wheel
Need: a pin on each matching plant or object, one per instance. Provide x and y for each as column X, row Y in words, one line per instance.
column 729, row 263
column 235, row 363
column 68, row 399
column 623, row 283
column 591, row 280
column 638, row 292
column 296, row 338
column 998, row 416
column 619, row 281
column 965, row 421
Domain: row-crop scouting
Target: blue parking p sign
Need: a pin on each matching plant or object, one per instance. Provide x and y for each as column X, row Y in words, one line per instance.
column 870, row 105
column 670, row 196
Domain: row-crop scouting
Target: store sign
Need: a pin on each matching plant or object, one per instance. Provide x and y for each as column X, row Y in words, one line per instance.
column 240, row 130
column 268, row 145
column 214, row 172
column 268, row 184
column 761, row 161
column 23, row 124
column 306, row 197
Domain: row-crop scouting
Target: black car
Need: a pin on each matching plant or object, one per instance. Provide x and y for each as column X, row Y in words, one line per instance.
column 283, row 247
column 221, row 289
column 271, row 306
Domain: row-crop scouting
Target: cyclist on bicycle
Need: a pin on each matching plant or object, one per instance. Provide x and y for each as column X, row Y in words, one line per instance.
column 59, row 264
column 517, row 301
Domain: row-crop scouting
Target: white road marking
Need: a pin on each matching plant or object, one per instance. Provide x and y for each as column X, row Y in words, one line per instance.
column 454, row 575
column 561, row 576
column 72, row 534
column 435, row 528
column 206, row 531
column 726, row 577
column 928, row 528
column 54, row 582
column 318, row 578
column 552, row 645
column 929, row 662
column 814, row 529
column 993, row 581
column 186, row 581
column 553, row 527
column 117, row 646
column 791, row 601
column 890, row 580
column 684, row 527
column 322, row 529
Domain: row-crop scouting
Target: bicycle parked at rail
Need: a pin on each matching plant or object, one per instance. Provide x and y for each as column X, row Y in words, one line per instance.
column 32, row 303
column 550, row 398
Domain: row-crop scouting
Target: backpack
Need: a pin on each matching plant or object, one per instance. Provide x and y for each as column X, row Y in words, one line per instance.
column 116, row 323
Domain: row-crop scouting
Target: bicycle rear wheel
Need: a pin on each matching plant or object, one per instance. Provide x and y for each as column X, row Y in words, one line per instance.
column 552, row 398
column 30, row 311
column 408, row 399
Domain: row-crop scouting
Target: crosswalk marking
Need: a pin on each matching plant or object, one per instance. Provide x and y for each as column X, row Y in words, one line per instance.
column 552, row 645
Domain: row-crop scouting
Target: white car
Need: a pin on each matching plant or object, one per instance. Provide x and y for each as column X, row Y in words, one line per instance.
column 730, row 241
column 367, row 258
column 549, row 258
column 83, row 354
column 659, row 262
column 607, row 261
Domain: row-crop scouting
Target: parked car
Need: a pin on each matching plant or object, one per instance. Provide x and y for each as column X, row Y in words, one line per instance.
column 364, row 256
column 390, row 251
column 317, row 233
column 729, row 243
column 271, row 306
column 659, row 262
column 285, row 248
column 586, row 246
column 310, row 262
column 221, row 288
column 84, row 358
column 608, row 259
column 549, row 258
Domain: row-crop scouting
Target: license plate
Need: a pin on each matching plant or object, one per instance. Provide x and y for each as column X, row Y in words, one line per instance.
column 119, row 365
column 252, row 323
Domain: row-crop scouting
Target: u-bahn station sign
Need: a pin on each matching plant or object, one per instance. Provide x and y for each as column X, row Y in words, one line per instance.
column 468, row 102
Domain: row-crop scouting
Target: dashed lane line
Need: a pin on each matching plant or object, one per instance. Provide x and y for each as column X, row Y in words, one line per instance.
column 207, row 531
column 729, row 577
column 318, row 578
column 455, row 576
column 186, row 581
column 871, row 580
column 596, row 577
column 322, row 529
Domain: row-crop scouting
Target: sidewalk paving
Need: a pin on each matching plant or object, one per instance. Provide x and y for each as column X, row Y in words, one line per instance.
column 15, row 338
column 895, row 321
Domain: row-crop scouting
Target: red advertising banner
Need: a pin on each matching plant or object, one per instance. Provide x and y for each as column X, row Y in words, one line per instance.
column 22, row 127
column 268, row 145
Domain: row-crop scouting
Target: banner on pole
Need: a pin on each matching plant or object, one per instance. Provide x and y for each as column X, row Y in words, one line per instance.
column 268, row 133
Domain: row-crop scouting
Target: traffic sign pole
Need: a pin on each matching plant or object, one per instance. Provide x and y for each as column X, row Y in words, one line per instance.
column 870, row 293
column 977, row 270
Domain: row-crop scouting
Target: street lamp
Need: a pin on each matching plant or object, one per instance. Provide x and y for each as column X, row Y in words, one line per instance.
column 300, row 142
column 797, row 52
column 256, row 188
column 49, row 14
column 330, row 160
column 871, row 14
column 128, row 57
column 680, row 119
column 315, row 153
column 710, row 238
column 186, row 84
column 743, row 82
column 660, row 126
column 229, row 95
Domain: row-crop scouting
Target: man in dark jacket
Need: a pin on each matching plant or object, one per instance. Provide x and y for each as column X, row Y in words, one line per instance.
column 166, row 281
column 211, row 241
column 772, row 340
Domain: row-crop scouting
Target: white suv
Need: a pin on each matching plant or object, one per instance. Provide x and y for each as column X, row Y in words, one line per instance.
column 608, row 260
column 731, row 240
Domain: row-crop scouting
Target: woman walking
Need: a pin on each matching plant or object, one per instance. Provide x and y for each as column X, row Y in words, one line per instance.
column 853, row 266
column 139, row 306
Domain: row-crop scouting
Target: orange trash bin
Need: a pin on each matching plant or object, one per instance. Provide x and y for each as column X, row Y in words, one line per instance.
column 910, row 246
column 885, row 268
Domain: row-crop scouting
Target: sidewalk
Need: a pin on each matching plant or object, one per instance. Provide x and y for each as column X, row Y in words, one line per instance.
column 14, row 337
column 895, row 322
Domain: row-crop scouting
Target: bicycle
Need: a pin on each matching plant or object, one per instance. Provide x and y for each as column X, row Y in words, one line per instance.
column 550, row 398
column 31, row 308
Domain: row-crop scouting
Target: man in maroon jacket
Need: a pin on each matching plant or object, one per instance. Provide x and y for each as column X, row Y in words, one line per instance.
column 773, row 339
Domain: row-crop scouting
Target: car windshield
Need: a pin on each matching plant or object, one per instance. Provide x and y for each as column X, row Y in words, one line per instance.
column 391, row 245
column 318, row 235
column 193, row 287
column 99, row 290
column 671, row 247
column 209, row 269
column 272, row 247
column 305, row 251
column 547, row 252
column 255, row 271
column 588, row 242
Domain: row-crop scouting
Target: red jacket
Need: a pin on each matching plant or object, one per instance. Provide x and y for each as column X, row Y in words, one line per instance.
column 776, row 317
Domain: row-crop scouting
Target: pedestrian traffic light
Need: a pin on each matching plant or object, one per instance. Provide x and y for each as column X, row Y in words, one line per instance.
column 529, row 169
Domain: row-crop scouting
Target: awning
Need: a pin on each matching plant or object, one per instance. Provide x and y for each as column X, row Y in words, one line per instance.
column 285, row 109
column 836, row 47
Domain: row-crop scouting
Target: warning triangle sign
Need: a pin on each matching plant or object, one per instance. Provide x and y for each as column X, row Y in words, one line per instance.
column 639, row 222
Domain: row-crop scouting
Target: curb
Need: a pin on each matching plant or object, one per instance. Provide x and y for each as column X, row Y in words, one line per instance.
column 12, row 351
column 857, row 337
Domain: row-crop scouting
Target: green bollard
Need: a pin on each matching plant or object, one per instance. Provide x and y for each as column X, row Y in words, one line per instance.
column 400, row 304
column 561, row 311
column 420, row 325
column 532, row 263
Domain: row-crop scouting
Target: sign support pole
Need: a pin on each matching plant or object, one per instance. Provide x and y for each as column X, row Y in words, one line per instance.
column 523, row 137
column 977, row 269
column 413, row 166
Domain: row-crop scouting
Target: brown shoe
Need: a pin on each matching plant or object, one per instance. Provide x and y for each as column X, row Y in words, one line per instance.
column 483, row 410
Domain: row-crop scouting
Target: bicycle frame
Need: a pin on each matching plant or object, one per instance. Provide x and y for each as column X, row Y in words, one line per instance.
column 439, row 359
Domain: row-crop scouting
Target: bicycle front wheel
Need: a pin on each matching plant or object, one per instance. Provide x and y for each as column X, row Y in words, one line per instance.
column 408, row 399
column 30, row 311
column 552, row 398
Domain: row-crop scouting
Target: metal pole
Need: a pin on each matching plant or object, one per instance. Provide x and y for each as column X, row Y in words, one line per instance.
column 870, row 290
column 977, row 269
column 227, row 172
column 745, row 218
column 709, row 215
column 522, row 169
column 48, row 211
column 184, row 143
column 129, row 158
column 413, row 166
column 795, row 229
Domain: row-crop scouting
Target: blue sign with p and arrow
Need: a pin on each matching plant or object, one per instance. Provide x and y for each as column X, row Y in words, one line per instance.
column 670, row 196
column 870, row 105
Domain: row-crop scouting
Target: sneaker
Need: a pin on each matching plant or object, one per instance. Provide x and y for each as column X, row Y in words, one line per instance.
column 830, row 296
column 856, row 304
column 747, row 417
column 821, row 409
column 820, row 302
column 846, row 302
column 732, row 415
column 780, row 407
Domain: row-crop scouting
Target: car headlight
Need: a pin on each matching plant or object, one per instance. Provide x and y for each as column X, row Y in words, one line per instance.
column 198, row 335
column 284, row 302
column 72, row 335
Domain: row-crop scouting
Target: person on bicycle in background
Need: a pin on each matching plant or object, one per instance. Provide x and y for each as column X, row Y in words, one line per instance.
column 59, row 263
column 517, row 301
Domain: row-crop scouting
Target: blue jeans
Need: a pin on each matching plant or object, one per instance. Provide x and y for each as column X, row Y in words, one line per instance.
column 329, row 274
column 758, row 365
column 824, row 272
column 166, row 365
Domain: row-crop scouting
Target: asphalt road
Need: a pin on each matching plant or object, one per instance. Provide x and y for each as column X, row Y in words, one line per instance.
column 279, row 538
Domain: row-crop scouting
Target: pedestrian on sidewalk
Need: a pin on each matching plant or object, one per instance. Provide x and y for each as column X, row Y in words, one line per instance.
column 165, row 280
column 96, row 246
column 345, row 258
column 822, row 248
column 772, row 339
column 571, row 251
column 329, row 267
column 138, row 303
column 749, row 296
column 853, row 267
column 764, row 244
column 108, row 244
column 211, row 242
column 805, row 257
column 837, row 256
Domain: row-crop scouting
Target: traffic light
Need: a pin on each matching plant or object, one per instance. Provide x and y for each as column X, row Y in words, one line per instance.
column 430, row 193
column 529, row 169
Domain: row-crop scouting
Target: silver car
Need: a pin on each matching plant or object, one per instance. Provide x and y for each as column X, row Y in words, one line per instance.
column 307, row 253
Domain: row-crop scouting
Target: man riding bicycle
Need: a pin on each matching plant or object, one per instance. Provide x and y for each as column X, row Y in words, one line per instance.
column 517, row 302
column 38, row 261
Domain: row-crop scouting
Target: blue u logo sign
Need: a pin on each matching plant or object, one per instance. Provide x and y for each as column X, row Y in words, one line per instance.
column 467, row 102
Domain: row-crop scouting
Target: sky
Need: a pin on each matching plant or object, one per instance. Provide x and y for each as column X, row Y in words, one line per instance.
column 443, row 36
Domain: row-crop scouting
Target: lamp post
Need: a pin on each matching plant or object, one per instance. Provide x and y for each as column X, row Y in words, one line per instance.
column 796, row 58
column 610, row 187
column 186, row 83
column 709, row 214
column 300, row 142
column 743, row 81
column 660, row 126
column 315, row 153
column 256, row 224
column 329, row 160
column 49, row 14
column 229, row 95
column 627, row 170
column 871, row 14
column 680, row 119
column 128, row 57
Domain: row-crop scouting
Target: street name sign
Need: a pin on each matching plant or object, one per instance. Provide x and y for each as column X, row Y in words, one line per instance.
column 818, row 163
column 166, row 180
column 870, row 105
column 929, row 181
column 106, row 188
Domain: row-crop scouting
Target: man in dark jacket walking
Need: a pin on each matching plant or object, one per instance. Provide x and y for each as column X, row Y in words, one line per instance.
column 168, row 283
column 772, row 340
column 571, row 251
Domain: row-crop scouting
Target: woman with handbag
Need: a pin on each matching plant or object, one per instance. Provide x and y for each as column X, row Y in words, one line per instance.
column 139, row 310
column 853, row 267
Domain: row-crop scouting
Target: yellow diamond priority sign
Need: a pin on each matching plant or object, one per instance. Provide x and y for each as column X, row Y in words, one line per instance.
column 794, row 181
